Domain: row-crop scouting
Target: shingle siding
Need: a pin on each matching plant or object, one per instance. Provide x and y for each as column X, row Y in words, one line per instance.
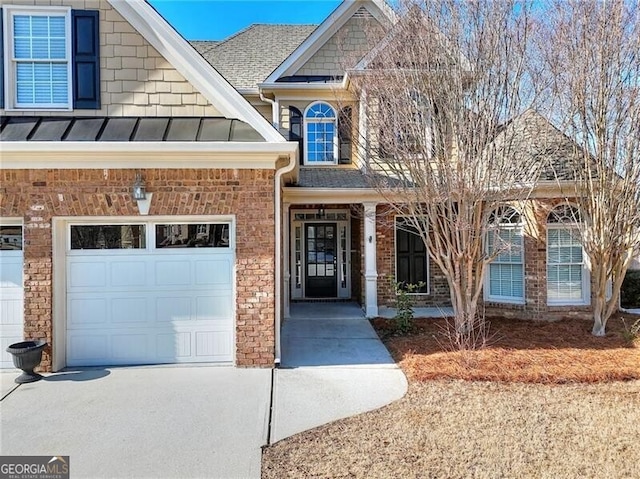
column 135, row 79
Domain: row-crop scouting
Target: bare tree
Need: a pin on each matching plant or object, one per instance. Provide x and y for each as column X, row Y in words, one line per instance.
column 592, row 62
column 435, row 141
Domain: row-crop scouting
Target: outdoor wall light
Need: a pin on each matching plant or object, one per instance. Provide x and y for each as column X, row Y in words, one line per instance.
column 139, row 189
column 321, row 213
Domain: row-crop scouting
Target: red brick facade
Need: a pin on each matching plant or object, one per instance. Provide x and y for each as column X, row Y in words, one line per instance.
column 438, row 292
column 535, row 264
column 37, row 196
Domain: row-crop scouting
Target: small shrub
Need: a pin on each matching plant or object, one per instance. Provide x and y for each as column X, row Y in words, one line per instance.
column 631, row 333
column 630, row 291
column 404, row 306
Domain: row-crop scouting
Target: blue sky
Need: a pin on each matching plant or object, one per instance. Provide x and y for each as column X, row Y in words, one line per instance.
column 217, row 19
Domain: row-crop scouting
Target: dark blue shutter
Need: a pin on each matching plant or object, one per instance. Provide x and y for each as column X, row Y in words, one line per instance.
column 1, row 63
column 296, row 131
column 85, row 51
column 344, row 136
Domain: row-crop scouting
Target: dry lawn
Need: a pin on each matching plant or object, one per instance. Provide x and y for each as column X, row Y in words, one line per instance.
column 475, row 416
column 458, row 429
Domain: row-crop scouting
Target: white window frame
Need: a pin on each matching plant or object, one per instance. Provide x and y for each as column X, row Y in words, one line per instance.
column 306, row 121
column 487, row 279
column 395, row 258
column 10, row 92
column 585, row 300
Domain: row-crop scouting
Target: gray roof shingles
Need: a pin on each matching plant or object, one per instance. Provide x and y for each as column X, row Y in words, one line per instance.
column 251, row 55
column 332, row 178
column 535, row 140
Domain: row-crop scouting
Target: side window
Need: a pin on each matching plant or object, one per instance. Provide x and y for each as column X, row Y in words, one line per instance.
column 567, row 272
column 505, row 278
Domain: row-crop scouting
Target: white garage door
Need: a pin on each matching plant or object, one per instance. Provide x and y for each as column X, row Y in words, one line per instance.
column 149, row 293
column 11, row 290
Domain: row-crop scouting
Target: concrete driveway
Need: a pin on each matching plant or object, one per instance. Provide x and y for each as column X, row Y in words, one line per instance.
column 168, row 422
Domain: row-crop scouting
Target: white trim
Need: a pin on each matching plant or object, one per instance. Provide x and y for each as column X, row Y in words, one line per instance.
column 342, row 293
column 395, row 258
column 10, row 96
column 329, row 27
column 61, row 237
column 370, row 261
column 279, row 256
column 186, row 60
column 331, row 196
column 305, row 123
column 91, row 155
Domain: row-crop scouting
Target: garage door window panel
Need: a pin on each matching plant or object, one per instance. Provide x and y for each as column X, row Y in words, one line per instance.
column 87, row 237
column 192, row 235
column 11, row 238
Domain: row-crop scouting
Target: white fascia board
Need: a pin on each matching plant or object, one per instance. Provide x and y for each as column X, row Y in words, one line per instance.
column 116, row 155
column 299, row 196
column 302, row 86
column 378, row 8
column 186, row 60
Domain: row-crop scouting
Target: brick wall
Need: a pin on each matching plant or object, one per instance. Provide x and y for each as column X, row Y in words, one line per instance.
column 438, row 292
column 535, row 261
column 135, row 80
column 535, row 264
column 39, row 195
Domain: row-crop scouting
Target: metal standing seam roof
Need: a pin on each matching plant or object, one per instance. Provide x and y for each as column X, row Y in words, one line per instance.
column 104, row 129
column 251, row 55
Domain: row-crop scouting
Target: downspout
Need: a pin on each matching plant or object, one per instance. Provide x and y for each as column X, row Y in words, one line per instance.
column 293, row 162
column 275, row 114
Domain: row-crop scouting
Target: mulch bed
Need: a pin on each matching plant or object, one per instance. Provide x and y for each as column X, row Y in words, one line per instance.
column 518, row 351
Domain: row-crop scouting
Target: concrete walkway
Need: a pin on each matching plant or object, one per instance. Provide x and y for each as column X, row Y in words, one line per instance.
column 169, row 422
column 333, row 366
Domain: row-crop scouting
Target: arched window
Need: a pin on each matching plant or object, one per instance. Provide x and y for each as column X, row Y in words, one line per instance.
column 321, row 145
column 567, row 271
column 505, row 278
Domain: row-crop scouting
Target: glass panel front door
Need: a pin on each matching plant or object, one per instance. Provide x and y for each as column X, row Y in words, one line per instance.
column 321, row 277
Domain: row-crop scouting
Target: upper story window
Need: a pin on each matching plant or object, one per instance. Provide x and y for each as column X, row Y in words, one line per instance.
column 50, row 58
column 39, row 66
column 321, row 145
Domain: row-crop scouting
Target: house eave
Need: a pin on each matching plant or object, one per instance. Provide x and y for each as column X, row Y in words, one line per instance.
column 124, row 155
column 302, row 195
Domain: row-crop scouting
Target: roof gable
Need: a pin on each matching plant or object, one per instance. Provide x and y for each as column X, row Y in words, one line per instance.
column 249, row 56
column 348, row 9
column 186, row 60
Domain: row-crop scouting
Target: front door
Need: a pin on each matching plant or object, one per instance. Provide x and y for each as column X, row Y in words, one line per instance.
column 321, row 277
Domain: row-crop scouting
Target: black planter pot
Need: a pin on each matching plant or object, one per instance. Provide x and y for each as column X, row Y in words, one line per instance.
column 26, row 356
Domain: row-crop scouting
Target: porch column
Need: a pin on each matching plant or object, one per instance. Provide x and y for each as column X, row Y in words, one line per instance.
column 286, row 259
column 363, row 131
column 370, row 269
